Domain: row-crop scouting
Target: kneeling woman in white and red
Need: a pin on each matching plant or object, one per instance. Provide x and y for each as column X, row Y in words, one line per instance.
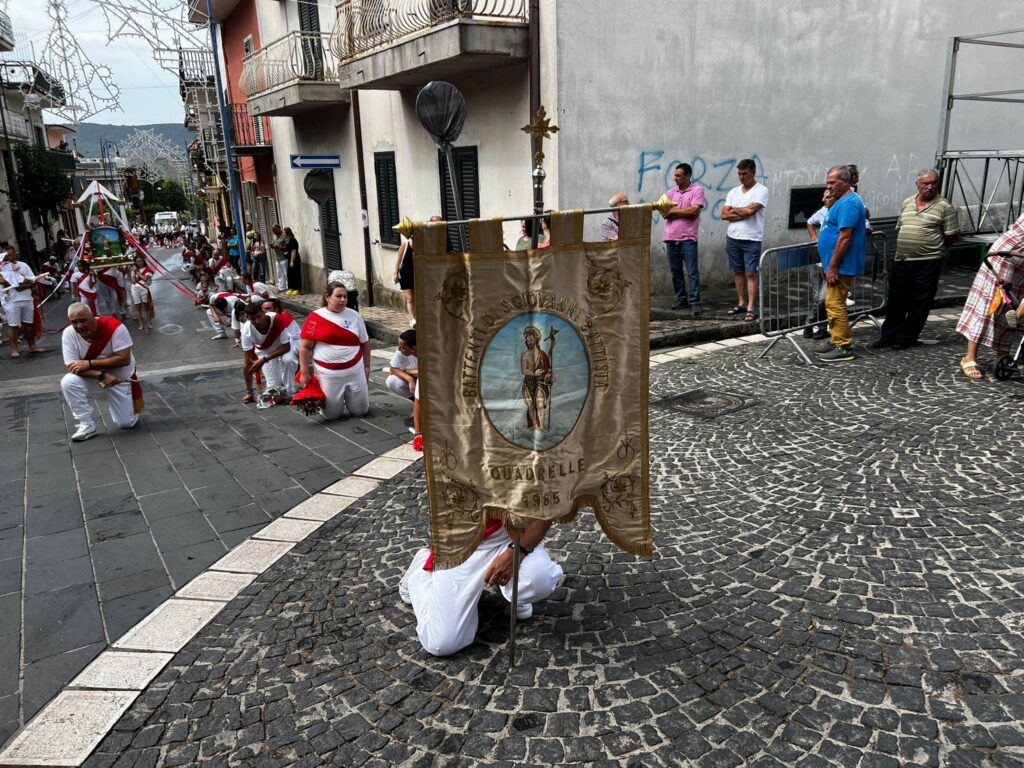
column 335, row 350
column 98, row 354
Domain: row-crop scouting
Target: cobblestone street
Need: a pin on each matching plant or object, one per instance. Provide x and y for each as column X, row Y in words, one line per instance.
column 837, row 580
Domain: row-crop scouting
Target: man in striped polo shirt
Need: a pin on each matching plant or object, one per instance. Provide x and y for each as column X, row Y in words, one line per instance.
column 927, row 226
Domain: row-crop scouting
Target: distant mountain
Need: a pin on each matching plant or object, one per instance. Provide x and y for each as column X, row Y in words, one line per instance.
column 90, row 135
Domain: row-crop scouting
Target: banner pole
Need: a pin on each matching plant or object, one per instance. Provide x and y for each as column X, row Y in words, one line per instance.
column 515, row 600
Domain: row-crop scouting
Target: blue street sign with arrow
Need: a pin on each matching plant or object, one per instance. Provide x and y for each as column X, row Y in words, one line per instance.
column 303, row 162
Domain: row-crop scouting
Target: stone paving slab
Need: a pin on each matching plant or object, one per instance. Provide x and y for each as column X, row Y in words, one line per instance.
column 837, row 581
column 69, row 728
column 122, row 670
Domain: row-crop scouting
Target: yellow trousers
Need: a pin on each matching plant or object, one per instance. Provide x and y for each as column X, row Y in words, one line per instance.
column 835, row 308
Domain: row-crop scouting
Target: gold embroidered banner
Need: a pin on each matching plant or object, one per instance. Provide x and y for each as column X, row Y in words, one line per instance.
column 533, row 380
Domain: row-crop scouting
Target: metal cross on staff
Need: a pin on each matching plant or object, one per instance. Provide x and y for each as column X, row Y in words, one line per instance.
column 539, row 128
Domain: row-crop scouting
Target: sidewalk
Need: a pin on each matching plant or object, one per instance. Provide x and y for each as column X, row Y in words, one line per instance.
column 668, row 328
column 835, row 582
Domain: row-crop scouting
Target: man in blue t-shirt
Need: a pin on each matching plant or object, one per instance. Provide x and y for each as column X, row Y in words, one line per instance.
column 841, row 246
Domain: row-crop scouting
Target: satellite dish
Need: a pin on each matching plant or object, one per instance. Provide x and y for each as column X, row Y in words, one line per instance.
column 441, row 108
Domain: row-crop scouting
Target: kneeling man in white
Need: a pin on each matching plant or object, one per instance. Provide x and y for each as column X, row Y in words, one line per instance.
column 98, row 356
column 270, row 345
column 445, row 601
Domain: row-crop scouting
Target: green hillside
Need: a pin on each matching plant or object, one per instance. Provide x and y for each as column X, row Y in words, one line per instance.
column 90, row 135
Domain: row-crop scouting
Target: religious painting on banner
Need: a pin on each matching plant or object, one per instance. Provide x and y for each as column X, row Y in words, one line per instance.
column 533, row 380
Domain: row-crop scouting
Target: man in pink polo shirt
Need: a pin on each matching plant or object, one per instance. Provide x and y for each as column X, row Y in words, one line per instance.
column 680, row 236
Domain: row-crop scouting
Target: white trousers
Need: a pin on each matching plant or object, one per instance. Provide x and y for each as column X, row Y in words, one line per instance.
column 282, row 274
column 109, row 296
column 445, row 601
column 216, row 324
column 345, row 390
column 119, row 399
column 279, row 373
column 399, row 386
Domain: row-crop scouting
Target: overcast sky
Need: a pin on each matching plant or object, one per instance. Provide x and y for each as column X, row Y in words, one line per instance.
column 149, row 94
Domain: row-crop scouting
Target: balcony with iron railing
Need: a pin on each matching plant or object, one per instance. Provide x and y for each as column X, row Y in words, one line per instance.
column 396, row 44
column 250, row 134
column 291, row 75
column 197, row 10
column 6, row 33
column 17, row 126
column 30, row 78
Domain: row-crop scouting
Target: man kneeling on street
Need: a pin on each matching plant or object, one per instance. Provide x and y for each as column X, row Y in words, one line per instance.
column 445, row 600
column 98, row 355
column 270, row 345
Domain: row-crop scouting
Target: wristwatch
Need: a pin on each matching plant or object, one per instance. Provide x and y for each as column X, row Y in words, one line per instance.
column 522, row 549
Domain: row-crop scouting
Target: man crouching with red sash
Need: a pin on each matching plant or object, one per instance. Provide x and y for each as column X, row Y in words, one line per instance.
column 98, row 354
column 334, row 343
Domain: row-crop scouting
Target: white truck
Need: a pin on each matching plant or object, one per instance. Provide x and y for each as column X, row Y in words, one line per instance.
column 166, row 221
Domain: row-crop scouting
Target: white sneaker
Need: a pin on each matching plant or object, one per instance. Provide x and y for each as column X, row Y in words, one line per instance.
column 403, row 592
column 220, row 335
column 524, row 611
column 84, row 432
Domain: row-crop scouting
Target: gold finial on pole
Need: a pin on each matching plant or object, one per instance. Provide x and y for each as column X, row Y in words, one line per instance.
column 663, row 204
column 404, row 227
column 540, row 128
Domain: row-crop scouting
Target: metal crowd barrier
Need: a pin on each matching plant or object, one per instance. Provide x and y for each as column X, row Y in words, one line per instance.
column 791, row 292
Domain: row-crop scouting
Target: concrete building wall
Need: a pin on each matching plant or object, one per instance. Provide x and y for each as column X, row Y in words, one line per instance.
column 324, row 131
column 641, row 89
column 497, row 102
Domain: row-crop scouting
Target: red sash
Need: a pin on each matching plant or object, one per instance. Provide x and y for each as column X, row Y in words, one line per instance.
column 281, row 321
column 319, row 328
column 108, row 279
column 111, row 282
column 78, row 284
column 105, row 327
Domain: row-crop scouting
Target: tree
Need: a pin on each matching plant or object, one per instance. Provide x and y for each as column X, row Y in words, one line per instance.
column 42, row 181
column 173, row 196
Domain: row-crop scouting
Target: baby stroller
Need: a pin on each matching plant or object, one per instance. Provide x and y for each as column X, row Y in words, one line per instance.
column 1005, row 304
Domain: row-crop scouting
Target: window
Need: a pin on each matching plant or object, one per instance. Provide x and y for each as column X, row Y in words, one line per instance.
column 387, row 196
column 467, row 181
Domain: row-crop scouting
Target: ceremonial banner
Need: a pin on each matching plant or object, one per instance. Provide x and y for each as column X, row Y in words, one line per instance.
column 533, row 380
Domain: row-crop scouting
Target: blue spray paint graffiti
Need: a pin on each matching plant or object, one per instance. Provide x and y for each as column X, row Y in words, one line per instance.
column 717, row 178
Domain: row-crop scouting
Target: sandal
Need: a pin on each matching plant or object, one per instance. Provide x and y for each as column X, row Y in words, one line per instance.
column 749, row 317
column 739, row 309
column 972, row 371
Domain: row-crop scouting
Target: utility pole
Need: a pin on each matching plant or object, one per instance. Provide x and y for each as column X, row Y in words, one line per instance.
column 236, row 207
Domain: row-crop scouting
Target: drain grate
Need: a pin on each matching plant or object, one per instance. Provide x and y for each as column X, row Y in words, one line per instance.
column 704, row 403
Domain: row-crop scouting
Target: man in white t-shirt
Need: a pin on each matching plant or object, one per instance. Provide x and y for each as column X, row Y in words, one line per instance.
column 270, row 345
column 98, row 355
column 255, row 290
column 222, row 313
column 744, row 210
column 404, row 366
column 17, row 281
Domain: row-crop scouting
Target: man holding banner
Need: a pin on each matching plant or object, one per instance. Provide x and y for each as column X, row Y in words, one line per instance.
column 517, row 438
column 98, row 355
